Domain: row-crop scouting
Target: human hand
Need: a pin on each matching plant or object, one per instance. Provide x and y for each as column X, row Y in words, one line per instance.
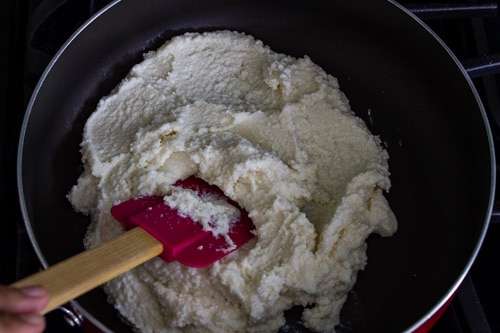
column 20, row 309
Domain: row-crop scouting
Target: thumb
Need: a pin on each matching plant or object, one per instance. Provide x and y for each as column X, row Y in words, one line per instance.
column 30, row 299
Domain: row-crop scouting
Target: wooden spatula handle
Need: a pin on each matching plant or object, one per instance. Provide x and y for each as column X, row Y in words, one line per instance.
column 89, row 269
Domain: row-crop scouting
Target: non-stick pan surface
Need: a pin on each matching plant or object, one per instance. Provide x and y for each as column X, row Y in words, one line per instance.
column 399, row 79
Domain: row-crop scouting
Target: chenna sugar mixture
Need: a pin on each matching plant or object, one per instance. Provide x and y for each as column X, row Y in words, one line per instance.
column 277, row 135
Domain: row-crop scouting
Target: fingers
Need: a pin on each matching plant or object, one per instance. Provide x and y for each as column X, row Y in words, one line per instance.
column 24, row 323
column 23, row 300
column 20, row 309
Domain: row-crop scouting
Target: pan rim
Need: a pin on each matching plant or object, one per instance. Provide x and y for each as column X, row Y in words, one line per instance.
column 19, row 170
column 444, row 301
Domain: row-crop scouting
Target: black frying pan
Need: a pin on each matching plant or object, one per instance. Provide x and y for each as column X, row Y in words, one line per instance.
column 399, row 78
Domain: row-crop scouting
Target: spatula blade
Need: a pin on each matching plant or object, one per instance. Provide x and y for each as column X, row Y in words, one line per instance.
column 183, row 238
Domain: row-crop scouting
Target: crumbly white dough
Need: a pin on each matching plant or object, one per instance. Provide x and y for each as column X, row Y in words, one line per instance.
column 215, row 214
column 277, row 135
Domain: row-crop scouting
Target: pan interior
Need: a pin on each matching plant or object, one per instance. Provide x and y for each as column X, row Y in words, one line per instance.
column 399, row 79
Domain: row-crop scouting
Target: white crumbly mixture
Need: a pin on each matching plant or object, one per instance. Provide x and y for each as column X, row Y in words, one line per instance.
column 213, row 213
column 277, row 135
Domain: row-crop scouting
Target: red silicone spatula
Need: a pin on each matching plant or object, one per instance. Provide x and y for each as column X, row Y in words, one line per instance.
column 154, row 229
column 182, row 238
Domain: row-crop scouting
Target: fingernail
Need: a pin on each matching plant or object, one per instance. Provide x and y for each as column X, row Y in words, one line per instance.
column 33, row 291
column 31, row 318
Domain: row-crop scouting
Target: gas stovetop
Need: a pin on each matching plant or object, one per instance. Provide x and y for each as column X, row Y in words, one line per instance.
column 36, row 29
